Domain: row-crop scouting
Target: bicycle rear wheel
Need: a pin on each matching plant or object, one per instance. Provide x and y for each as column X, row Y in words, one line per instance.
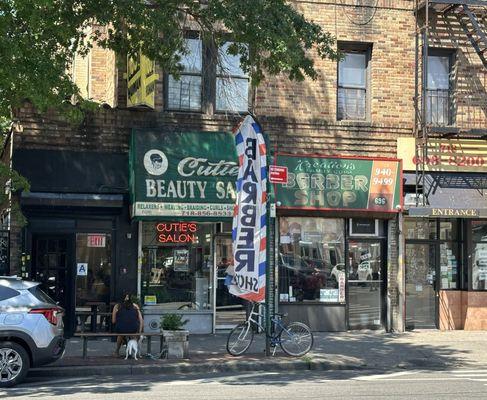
column 239, row 339
column 296, row 339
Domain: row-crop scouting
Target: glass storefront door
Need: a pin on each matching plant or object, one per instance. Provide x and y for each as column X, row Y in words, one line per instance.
column 365, row 284
column 421, row 285
column 93, row 278
column 229, row 309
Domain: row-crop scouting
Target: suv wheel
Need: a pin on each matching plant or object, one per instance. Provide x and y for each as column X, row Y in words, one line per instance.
column 14, row 364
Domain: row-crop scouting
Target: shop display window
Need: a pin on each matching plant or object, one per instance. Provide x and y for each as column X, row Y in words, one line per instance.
column 445, row 242
column 176, row 265
column 311, row 260
column 449, row 266
column 420, row 229
column 478, row 255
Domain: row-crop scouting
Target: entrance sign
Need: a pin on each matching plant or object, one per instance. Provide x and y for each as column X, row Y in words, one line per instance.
column 434, row 212
column 277, row 174
column 249, row 220
column 448, row 155
column 82, row 269
column 186, row 175
column 332, row 183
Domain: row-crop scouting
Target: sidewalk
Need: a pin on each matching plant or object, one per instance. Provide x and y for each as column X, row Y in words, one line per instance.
column 332, row 350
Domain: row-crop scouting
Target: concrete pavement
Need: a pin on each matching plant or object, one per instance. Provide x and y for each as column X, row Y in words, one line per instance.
column 332, row 351
column 357, row 384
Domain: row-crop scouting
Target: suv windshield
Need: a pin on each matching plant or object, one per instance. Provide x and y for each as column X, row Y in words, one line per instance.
column 40, row 295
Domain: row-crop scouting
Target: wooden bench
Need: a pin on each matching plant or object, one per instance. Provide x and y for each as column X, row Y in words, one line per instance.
column 87, row 335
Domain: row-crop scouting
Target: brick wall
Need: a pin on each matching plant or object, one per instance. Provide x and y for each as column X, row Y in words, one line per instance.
column 96, row 73
column 299, row 116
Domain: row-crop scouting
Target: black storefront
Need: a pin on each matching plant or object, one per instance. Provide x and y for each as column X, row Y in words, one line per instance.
column 79, row 241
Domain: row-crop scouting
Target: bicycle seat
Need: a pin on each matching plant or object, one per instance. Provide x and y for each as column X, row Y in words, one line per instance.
column 281, row 315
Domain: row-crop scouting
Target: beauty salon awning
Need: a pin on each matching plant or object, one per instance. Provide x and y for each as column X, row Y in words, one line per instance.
column 182, row 175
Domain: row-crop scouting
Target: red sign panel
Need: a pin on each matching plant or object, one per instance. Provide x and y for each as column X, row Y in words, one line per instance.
column 277, row 174
column 97, row 240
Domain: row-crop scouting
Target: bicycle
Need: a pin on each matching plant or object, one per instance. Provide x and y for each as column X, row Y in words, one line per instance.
column 295, row 339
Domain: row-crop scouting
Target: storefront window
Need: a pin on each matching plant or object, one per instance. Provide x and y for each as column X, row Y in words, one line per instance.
column 311, row 260
column 479, row 255
column 176, row 265
column 449, row 230
column 449, row 266
column 420, row 229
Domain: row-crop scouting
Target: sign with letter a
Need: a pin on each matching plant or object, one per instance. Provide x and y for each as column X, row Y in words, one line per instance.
column 249, row 218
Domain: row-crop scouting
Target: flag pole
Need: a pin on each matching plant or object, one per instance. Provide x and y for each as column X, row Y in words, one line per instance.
column 268, row 290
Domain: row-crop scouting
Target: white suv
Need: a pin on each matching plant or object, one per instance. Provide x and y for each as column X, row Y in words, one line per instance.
column 31, row 329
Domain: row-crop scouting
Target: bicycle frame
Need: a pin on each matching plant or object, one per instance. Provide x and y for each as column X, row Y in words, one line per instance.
column 275, row 321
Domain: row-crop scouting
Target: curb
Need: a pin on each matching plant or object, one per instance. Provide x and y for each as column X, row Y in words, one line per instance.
column 186, row 367
column 235, row 366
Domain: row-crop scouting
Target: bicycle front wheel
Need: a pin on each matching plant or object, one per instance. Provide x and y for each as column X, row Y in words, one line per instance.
column 296, row 339
column 239, row 339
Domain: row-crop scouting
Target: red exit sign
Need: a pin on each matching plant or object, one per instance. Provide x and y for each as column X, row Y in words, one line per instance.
column 97, row 240
column 277, row 174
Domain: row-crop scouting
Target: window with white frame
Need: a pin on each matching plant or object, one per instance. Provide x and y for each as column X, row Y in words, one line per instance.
column 185, row 93
column 352, row 86
column 212, row 80
column 232, row 83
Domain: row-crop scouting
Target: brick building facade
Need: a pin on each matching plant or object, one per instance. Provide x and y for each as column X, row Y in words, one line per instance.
column 314, row 117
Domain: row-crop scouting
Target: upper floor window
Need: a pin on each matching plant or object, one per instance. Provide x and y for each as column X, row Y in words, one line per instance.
column 210, row 81
column 353, row 85
column 232, row 83
column 438, row 99
column 186, row 93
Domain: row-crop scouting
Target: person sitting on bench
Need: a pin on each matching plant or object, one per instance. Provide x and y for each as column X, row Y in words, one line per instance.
column 127, row 320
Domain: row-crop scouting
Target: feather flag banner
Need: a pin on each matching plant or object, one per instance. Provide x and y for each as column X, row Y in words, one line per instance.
column 248, row 278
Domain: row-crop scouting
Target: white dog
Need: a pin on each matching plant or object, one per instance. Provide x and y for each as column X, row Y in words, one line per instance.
column 133, row 348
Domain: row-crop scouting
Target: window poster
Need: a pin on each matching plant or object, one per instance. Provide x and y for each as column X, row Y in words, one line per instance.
column 181, row 260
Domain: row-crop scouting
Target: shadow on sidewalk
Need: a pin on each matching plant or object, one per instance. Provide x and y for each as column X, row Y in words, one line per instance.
column 335, row 356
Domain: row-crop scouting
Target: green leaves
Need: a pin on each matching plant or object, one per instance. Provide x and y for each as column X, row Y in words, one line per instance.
column 38, row 39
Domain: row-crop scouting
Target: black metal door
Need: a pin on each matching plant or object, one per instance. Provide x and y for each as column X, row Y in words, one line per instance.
column 52, row 266
column 4, row 252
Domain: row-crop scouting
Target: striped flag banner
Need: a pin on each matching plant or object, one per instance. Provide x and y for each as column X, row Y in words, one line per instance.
column 248, row 275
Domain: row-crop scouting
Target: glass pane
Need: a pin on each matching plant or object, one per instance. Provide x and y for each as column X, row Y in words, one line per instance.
column 364, row 284
column 420, row 286
column 230, row 309
column 352, row 70
column 479, row 266
column 177, row 265
column 229, row 64
column 351, row 103
column 438, row 107
column 192, row 61
column 232, row 94
column 184, row 94
column 449, row 230
column 419, row 229
column 479, row 231
column 449, row 266
column 93, row 285
column 438, row 72
column 311, row 261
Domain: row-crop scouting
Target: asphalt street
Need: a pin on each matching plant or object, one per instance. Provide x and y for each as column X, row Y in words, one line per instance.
column 373, row 384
